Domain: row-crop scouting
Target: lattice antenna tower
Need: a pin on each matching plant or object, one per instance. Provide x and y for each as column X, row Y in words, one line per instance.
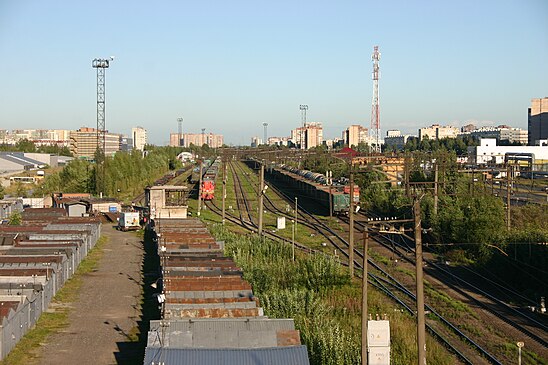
column 375, row 130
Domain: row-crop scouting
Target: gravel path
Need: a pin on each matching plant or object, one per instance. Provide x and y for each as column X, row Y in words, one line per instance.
column 106, row 311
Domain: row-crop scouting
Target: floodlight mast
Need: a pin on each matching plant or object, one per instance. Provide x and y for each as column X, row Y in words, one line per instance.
column 101, row 65
column 375, row 108
column 303, row 108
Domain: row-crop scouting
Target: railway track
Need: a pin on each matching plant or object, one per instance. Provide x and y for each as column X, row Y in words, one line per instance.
column 381, row 279
column 526, row 324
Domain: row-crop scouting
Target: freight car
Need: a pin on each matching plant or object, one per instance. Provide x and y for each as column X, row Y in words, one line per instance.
column 208, row 180
column 314, row 185
column 195, row 176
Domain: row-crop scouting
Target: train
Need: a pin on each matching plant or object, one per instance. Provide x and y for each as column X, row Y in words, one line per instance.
column 208, row 180
column 315, row 186
column 195, row 176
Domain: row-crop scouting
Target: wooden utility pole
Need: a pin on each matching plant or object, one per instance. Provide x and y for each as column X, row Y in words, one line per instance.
column 261, row 198
column 365, row 315
column 436, row 191
column 351, row 225
column 330, row 184
column 406, row 176
column 421, row 334
column 224, row 191
column 492, row 182
column 508, row 194
column 200, row 190
column 295, row 228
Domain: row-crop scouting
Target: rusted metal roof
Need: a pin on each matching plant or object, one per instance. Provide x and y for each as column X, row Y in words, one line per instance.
column 6, row 306
column 5, row 259
column 24, row 272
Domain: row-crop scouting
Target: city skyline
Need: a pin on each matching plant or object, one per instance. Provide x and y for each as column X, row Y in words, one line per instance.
column 230, row 67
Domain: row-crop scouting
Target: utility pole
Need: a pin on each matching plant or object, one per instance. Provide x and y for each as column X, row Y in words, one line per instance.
column 436, row 189
column 365, row 315
column 224, row 191
column 329, row 175
column 508, row 194
column 421, row 334
column 295, row 227
column 351, row 225
column 406, row 176
column 200, row 190
column 261, row 197
column 492, row 182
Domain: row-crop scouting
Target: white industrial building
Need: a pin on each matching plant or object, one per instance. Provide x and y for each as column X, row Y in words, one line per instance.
column 489, row 153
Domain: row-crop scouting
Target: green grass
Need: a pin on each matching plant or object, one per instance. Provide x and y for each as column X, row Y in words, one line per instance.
column 454, row 308
column 56, row 317
column 324, row 303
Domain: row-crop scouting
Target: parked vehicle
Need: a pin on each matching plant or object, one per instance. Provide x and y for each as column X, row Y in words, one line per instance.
column 129, row 221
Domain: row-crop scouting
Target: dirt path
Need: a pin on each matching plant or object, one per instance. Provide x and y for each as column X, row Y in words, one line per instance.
column 106, row 314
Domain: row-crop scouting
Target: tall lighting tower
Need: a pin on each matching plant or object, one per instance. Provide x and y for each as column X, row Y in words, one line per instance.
column 180, row 131
column 303, row 108
column 375, row 130
column 101, row 65
column 265, row 125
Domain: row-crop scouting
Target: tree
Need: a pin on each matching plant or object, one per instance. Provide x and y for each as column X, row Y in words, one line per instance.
column 15, row 219
column 20, row 190
column 25, row 145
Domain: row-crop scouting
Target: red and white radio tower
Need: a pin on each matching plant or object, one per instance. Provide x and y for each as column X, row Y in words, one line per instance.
column 375, row 131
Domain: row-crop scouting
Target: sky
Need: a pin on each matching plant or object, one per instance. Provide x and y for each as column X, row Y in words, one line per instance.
column 230, row 66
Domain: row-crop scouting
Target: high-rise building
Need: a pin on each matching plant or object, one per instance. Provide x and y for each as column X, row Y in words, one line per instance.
column 309, row 136
column 354, row 135
column 174, row 140
column 279, row 141
column 139, row 136
column 437, row 131
column 199, row 139
column 83, row 143
column 394, row 140
column 538, row 120
column 256, row 141
column 514, row 135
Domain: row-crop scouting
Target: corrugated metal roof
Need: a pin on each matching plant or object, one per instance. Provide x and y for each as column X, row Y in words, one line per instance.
column 223, row 333
column 294, row 355
column 225, row 324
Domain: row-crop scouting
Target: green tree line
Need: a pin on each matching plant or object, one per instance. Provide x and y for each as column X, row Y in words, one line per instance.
column 25, row 145
column 126, row 173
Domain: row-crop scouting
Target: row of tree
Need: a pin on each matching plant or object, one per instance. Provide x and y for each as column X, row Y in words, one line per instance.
column 25, row 145
column 126, row 173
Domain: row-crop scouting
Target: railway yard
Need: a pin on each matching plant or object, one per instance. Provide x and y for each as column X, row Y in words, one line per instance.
column 205, row 300
column 470, row 313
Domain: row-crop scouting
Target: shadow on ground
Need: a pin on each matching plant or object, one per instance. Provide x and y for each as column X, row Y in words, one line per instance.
column 132, row 350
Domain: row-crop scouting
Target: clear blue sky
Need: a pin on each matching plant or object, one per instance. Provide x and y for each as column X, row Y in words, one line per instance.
column 229, row 66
